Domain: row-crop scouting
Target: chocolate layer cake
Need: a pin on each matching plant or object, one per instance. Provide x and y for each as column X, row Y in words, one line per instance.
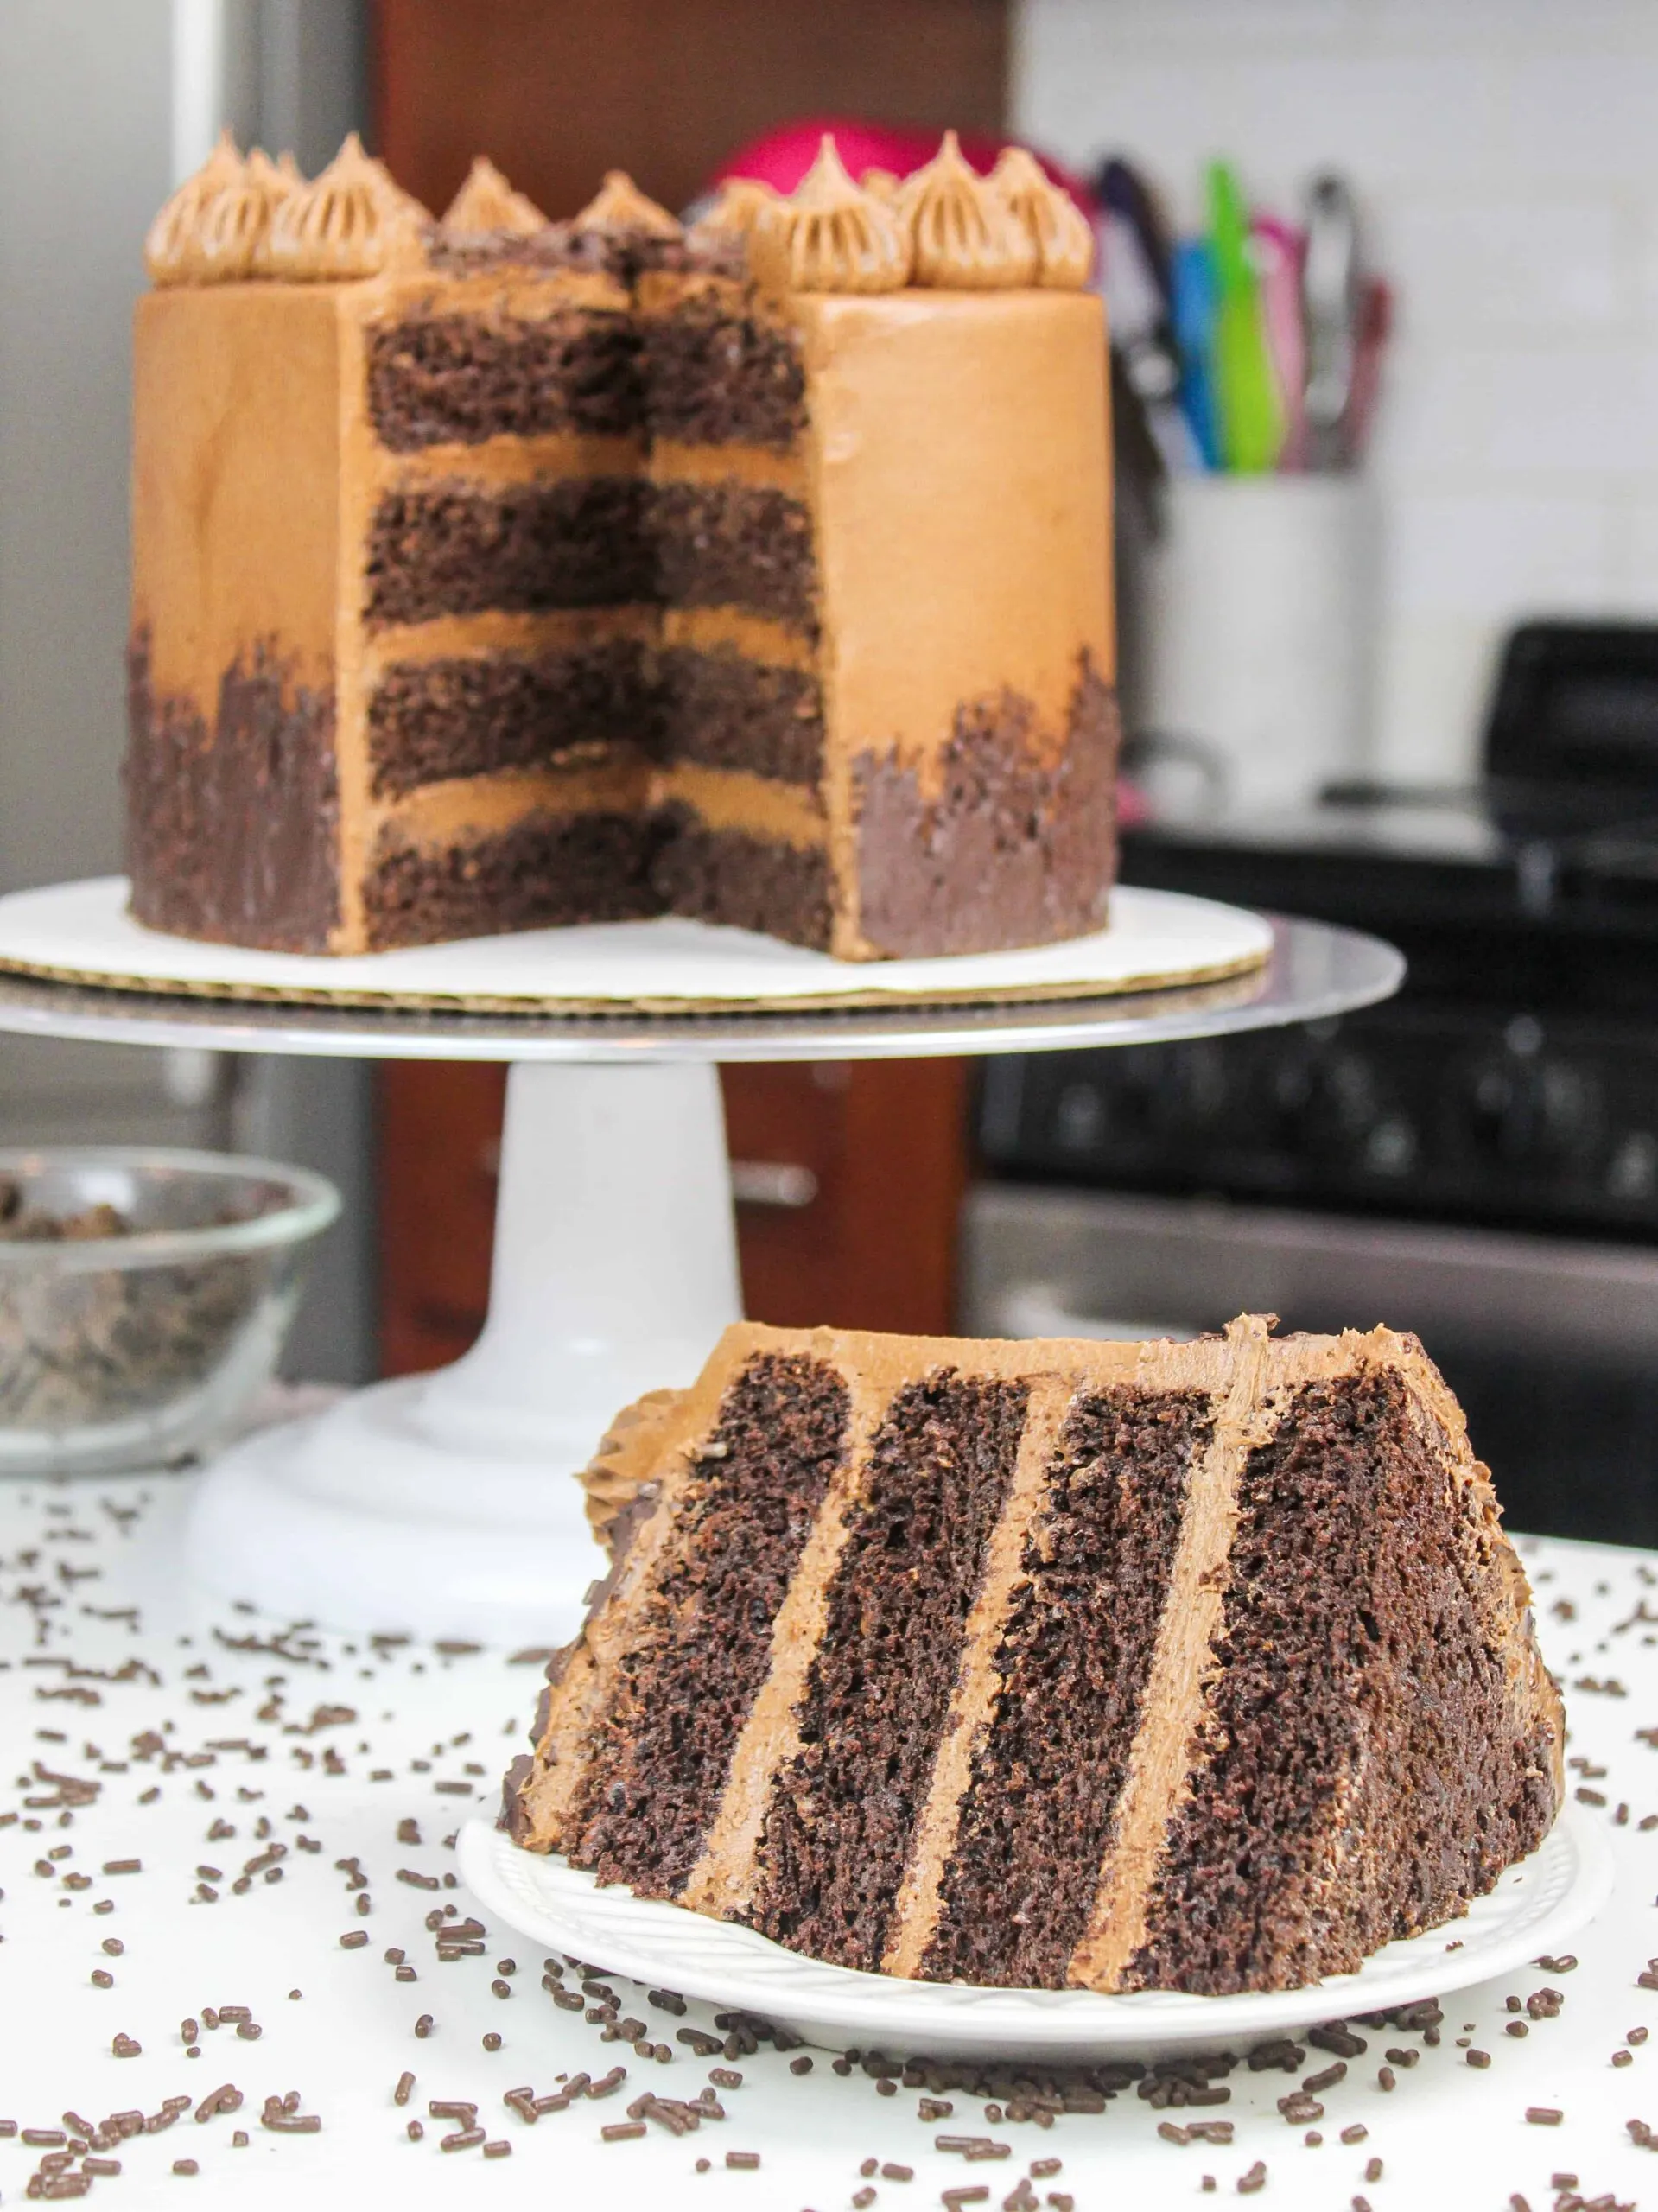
column 1203, row 1667
column 491, row 573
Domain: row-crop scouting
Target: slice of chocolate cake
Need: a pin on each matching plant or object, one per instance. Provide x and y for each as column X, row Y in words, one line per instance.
column 1203, row 1667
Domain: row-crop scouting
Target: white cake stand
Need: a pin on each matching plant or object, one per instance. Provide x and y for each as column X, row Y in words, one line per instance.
column 444, row 1504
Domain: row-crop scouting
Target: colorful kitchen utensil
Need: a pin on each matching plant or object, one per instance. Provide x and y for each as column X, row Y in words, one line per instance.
column 1251, row 419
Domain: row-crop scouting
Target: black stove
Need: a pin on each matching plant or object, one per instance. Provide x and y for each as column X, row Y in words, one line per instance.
column 1511, row 1091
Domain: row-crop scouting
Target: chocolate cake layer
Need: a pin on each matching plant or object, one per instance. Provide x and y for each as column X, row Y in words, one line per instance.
column 232, row 831
column 555, row 247
column 547, row 869
column 748, row 883
column 469, row 715
column 457, row 548
column 659, row 1768
column 729, row 545
column 440, row 379
column 1354, row 1732
column 1073, row 1668
column 727, row 711
column 838, row 1829
column 712, row 377
column 1012, row 849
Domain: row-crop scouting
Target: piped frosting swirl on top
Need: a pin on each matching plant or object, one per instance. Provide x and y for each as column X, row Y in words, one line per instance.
column 1058, row 229
column 735, row 209
column 235, row 219
column 945, row 227
column 351, row 221
column 963, row 237
column 830, row 235
column 486, row 205
column 619, row 209
column 173, row 246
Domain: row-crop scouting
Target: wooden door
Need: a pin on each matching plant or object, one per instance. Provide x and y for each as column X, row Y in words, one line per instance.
column 557, row 91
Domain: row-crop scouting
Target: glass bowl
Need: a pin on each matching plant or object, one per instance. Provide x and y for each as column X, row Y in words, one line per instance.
column 146, row 1347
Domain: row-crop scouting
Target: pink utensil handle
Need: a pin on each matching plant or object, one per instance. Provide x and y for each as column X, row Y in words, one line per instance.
column 1279, row 249
column 1375, row 325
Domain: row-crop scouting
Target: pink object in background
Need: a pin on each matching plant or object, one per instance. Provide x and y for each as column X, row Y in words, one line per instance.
column 1134, row 810
column 782, row 157
column 1279, row 250
column 1375, row 329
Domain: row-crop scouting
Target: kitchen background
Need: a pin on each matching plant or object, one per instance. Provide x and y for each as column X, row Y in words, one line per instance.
column 1471, row 1162
column 1504, row 153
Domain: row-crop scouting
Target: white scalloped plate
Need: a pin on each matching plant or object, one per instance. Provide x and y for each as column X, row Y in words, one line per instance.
column 1534, row 1909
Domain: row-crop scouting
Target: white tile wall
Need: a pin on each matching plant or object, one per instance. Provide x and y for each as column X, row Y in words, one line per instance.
column 1506, row 153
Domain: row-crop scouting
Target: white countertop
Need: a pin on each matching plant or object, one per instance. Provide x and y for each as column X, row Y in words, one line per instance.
column 73, row 1555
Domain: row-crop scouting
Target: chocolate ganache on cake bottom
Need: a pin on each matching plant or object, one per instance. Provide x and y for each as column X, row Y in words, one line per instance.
column 1198, row 1667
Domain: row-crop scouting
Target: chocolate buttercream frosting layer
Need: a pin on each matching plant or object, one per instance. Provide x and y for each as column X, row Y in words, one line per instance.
column 1124, row 1666
column 232, row 828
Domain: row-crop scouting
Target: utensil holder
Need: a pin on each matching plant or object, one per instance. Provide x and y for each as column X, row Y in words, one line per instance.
column 1257, row 649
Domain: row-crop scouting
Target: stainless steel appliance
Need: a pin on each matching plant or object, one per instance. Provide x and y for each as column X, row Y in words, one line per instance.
column 1476, row 1159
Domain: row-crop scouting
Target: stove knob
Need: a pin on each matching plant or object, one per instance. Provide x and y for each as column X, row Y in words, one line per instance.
column 1491, row 1119
column 1331, row 1104
column 1531, row 1111
column 1569, row 1111
column 1632, row 1171
column 1392, row 1147
column 1078, row 1118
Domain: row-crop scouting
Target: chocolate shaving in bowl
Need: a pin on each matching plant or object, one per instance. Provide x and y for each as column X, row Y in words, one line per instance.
column 81, row 1347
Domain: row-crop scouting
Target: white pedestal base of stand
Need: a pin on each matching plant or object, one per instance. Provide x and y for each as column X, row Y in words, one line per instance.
column 446, row 1504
